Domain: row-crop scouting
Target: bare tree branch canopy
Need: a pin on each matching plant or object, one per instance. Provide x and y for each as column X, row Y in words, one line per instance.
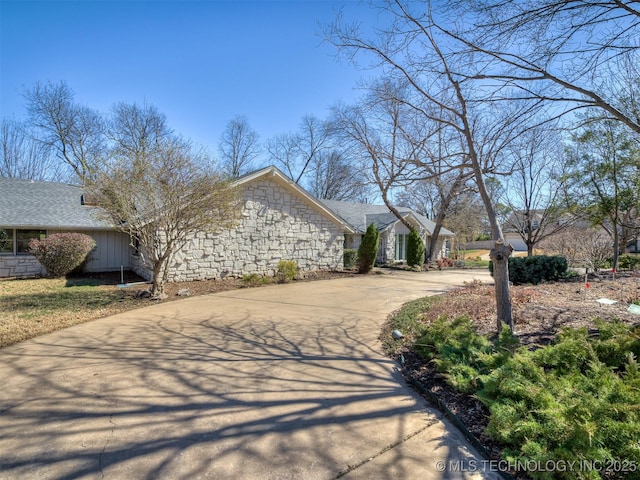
column 24, row 157
column 575, row 53
column 239, row 146
column 378, row 130
column 415, row 51
column 163, row 199
column 535, row 192
column 296, row 152
column 335, row 177
column 74, row 131
column 137, row 129
column 283, row 152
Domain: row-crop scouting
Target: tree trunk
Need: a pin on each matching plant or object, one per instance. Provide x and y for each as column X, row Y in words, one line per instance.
column 435, row 234
column 433, row 243
column 616, row 247
column 500, row 257
column 157, row 287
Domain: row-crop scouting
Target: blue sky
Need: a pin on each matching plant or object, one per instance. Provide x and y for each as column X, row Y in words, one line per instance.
column 200, row 62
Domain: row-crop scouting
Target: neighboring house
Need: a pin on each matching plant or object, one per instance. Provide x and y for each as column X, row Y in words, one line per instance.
column 30, row 209
column 515, row 227
column 393, row 233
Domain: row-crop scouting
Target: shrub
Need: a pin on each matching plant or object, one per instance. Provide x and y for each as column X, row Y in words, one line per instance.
column 368, row 250
column 575, row 399
column 287, row 270
column 255, row 280
column 445, row 262
column 350, row 258
column 535, row 269
column 415, row 249
column 562, row 402
column 60, row 253
column 629, row 262
column 460, row 353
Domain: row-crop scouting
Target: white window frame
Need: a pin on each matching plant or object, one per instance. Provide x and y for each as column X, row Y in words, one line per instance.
column 401, row 247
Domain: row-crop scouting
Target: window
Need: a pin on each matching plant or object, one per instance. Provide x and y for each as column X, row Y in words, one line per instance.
column 23, row 237
column 6, row 240
column 401, row 246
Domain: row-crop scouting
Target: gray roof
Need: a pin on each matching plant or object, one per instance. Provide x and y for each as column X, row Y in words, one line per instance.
column 360, row 215
column 27, row 203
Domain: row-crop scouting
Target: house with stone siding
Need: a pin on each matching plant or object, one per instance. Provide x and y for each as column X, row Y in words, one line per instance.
column 278, row 220
column 394, row 234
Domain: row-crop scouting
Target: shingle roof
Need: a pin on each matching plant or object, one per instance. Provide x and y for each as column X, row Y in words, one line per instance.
column 27, row 203
column 361, row 215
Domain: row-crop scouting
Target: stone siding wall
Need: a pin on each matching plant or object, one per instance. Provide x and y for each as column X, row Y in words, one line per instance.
column 20, row 266
column 275, row 224
column 140, row 267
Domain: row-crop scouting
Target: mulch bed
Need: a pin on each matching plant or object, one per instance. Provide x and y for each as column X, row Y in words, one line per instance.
column 539, row 312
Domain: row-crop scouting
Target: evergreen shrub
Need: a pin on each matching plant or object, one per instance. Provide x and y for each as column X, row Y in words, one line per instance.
column 415, row 249
column 368, row 250
column 574, row 400
column 629, row 262
column 535, row 269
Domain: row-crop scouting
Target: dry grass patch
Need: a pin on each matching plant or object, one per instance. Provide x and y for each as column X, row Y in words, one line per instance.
column 33, row 307
column 37, row 306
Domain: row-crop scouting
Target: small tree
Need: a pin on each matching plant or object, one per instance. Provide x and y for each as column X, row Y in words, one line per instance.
column 60, row 253
column 368, row 250
column 415, row 249
column 162, row 199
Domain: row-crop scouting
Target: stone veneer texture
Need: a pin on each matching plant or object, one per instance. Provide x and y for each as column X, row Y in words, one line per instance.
column 275, row 224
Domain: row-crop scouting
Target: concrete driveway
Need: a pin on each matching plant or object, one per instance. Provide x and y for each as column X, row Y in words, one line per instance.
column 282, row 382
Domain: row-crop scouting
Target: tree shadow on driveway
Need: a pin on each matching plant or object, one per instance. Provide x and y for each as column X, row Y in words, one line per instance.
column 234, row 392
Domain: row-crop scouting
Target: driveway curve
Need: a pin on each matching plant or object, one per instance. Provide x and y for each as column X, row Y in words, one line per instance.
column 282, row 382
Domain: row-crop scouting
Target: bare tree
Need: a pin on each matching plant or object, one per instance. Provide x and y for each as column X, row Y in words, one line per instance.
column 334, row 177
column 75, row 132
column 239, row 146
column 23, row 157
column 447, row 97
column 582, row 246
column 421, row 196
column 314, row 138
column 465, row 217
column 391, row 144
column 162, row 200
column 283, row 152
column 297, row 152
column 535, row 192
column 137, row 129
